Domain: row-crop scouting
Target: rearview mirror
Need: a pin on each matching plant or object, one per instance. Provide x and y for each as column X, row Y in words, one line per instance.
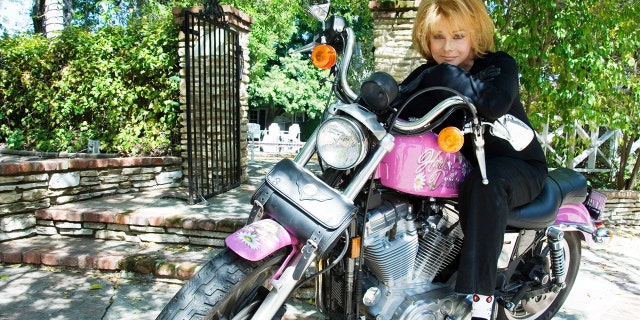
column 319, row 9
column 512, row 129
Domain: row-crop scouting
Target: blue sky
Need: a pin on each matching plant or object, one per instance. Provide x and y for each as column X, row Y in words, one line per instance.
column 14, row 15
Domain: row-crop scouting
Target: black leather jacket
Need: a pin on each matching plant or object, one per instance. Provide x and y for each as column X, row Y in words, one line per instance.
column 491, row 84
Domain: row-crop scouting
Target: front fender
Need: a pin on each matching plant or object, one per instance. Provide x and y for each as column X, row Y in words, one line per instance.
column 257, row 240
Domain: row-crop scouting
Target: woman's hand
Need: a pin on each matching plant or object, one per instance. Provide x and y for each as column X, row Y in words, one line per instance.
column 487, row 74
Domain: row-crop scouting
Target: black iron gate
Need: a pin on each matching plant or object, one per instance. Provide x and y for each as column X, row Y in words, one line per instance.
column 213, row 69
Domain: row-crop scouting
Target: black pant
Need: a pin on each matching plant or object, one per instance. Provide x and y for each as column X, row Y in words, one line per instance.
column 483, row 216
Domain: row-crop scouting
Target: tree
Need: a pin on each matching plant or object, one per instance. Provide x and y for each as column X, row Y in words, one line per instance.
column 290, row 86
column 273, row 25
column 578, row 61
column 280, row 25
column 117, row 84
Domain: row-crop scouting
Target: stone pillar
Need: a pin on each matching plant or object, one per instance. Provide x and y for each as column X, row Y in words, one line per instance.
column 392, row 37
column 240, row 22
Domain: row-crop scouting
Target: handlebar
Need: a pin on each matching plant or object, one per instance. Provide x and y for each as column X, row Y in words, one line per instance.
column 476, row 128
column 347, row 92
column 306, row 48
column 410, row 127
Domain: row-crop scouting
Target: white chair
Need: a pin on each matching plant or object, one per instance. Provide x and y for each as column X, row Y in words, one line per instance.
column 273, row 134
column 293, row 135
column 253, row 131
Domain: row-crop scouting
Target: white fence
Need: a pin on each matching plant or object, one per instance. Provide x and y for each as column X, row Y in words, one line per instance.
column 595, row 150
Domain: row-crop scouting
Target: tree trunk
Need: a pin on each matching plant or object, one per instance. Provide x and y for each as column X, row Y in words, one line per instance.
column 625, row 152
column 37, row 15
column 631, row 182
column 68, row 12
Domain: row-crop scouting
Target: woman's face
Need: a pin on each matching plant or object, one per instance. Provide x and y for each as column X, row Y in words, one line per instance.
column 451, row 45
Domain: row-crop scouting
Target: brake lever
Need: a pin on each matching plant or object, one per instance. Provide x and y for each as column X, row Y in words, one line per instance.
column 477, row 130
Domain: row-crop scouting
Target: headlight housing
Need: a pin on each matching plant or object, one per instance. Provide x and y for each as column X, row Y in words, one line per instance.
column 341, row 143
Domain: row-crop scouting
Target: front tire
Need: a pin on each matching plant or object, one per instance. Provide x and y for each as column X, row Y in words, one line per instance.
column 225, row 287
column 545, row 306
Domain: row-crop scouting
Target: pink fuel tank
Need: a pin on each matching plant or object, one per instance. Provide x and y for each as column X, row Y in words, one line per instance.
column 418, row 166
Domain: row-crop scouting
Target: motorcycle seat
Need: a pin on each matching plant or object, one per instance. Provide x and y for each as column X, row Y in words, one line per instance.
column 563, row 186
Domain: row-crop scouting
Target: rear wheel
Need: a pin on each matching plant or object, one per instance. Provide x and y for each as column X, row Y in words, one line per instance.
column 227, row 287
column 545, row 306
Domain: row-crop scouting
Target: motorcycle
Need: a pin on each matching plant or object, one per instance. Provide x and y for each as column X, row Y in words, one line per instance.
column 377, row 228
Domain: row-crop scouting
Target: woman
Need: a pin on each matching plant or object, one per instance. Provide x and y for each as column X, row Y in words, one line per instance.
column 456, row 38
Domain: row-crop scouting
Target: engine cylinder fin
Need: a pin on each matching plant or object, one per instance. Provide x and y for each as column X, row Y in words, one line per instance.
column 437, row 250
column 392, row 260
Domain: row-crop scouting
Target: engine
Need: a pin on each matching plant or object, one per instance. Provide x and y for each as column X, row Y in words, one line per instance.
column 404, row 252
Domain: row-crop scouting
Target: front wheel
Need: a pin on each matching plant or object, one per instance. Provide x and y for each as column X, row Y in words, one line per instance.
column 227, row 287
column 545, row 306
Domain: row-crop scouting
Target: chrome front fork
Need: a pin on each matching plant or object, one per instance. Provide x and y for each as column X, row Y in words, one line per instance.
column 284, row 285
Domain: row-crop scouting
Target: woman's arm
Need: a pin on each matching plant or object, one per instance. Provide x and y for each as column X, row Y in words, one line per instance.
column 493, row 88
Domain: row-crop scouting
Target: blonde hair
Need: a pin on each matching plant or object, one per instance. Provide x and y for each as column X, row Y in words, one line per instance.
column 471, row 15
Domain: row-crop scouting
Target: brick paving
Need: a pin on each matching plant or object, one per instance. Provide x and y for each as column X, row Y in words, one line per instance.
column 607, row 284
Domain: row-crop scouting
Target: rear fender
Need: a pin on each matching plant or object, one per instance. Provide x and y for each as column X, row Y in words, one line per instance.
column 573, row 214
column 257, row 240
column 576, row 218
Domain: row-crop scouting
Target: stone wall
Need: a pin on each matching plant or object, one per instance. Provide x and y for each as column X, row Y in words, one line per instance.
column 622, row 208
column 171, row 224
column 28, row 186
column 392, row 37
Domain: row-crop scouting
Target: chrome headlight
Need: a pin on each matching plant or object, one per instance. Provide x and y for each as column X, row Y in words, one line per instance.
column 341, row 143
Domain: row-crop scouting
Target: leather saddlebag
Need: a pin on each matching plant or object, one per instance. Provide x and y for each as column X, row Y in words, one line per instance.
column 303, row 204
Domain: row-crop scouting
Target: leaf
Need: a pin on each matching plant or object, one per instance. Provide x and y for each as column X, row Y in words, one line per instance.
column 95, row 286
column 4, row 277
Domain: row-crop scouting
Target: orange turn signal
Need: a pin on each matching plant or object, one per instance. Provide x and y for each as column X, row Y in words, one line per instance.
column 450, row 139
column 323, row 56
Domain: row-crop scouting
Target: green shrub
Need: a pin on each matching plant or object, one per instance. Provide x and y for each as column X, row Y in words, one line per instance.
column 118, row 85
